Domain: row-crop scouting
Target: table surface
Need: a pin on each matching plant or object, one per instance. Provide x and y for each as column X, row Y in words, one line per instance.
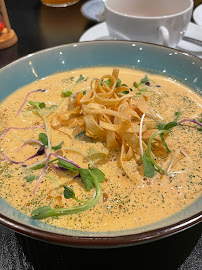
column 39, row 27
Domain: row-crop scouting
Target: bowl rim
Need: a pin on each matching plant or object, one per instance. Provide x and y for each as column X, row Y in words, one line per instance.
column 100, row 241
column 74, row 44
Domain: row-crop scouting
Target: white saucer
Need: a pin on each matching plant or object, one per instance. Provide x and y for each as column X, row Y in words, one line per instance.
column 96, row 32
column 193, row 31
column 100, row 32
column 197, row 15
column 93, row 10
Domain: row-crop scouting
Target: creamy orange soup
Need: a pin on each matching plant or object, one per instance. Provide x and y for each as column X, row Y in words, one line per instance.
column 126, row 202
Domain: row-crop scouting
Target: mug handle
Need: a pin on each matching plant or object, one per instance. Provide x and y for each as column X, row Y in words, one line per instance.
column 165, row 35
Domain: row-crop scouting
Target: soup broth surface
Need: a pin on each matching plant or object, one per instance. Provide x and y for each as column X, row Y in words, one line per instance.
column 124, row 203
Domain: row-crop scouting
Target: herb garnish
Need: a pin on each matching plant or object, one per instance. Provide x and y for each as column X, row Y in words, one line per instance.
column 148, row 163
column 43, row 138
column 48, row 211
column 163, row 129
column 66, row 93
column 144, row 85
column 67, row 165
column 57, row 147
column 149, row 170
column 39, row 105
column 30, row 178
column 108, row 82
column 38, row 90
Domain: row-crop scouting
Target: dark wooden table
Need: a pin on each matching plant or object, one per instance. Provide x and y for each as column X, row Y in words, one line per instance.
column 39, row 27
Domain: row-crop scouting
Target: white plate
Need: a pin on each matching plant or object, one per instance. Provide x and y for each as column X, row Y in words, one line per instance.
column 193, row 31
column 96, row 32
column 100, row 32
column 93, row 10
column 197, row 15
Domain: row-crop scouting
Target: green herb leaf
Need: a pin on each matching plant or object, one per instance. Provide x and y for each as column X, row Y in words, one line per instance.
column 43, row 164
column 125, row 92
column 57, row 147
column 39, row 166
column 86, row 178
column 66, row 93
column 170, row 125
column 47, row 211
column 84, row 92
column 40, row 105
column 135, row 84
column 67, row 165
column 43, row 138
column 149, row 170
column 118, row 83
column 81, row 78
column 68, row 192
column 108, row 82
column 30, row 178
column 41, row 212
column 145, row 79
column 98, row 174
column 161, row 126
column 177, row 116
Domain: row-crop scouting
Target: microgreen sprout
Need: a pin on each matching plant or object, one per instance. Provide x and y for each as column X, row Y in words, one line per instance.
column 30, row 178
column 108, row 82
column 43, row 138
column 81, row 78
column 38, row 90
column 39, row 106
column 17, row 128
column 70, row 194
column 190, row 120
column 47, row 211
column 57, row 147
column 149, row 149
column 66, row 93
column 148, row 162
column 144, row 85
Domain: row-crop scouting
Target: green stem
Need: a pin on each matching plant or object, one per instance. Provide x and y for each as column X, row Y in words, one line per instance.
column 160, row 132
column 47, row 129
column 53, row 179
column 47, row 211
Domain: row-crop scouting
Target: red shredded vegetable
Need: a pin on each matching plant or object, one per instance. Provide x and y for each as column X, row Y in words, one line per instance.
column 38, row 90
column 5, row 132
column 190, row 120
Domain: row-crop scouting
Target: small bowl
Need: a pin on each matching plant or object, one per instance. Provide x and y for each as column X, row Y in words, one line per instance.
column 178, row 65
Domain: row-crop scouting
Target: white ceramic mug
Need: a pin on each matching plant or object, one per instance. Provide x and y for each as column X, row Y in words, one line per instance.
column 156, row 21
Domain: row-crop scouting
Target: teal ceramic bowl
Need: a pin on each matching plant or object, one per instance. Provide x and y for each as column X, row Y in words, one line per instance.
column 151, row 58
